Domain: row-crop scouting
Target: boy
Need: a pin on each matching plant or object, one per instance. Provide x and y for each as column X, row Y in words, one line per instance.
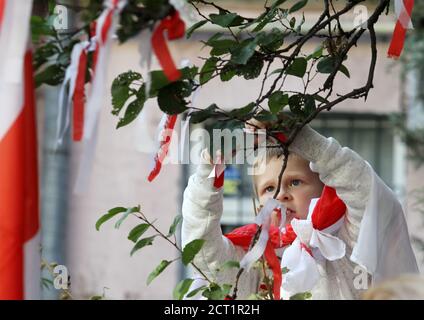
column 373, row 229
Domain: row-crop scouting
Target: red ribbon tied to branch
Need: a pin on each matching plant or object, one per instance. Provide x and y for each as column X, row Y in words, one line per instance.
column 403, row 9
column 175, row 28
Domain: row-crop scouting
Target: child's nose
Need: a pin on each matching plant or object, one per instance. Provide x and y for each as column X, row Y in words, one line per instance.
column 284, row 196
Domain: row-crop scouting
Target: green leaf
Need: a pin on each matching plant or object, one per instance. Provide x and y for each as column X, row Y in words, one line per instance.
column 309, row 104
column 158, row 270
column 173, row 227
column 295, row 102
column 134, row 108
column 230, row 265
column 202, row 115
column 244, row 52
column 228, row 72
column 181, row 289
column 111, row 213
column 299, row 5
column 195, row 291
column 292, row 22
column 265, row 116
column 189, row 73
column 171, row 97
column 40, row 28
column 268, row 16
column 142, row 243
column 277, row 101
column 43, row 53
column 328, row 64
column 138, row 231
column 121, row 89
column 264, row 17
column 53, row 75
column 191, row 249
column 317, row 53
column 344, row 70
column 301, row 296
column 320, row 99
column 244, row 112
column 222, row 46
column 207, row 70
column 226, row 20
column 159, row 80
column 216, row 36
column 215, row 292
column 271, row 41
column 252, row 69
column 125, row 215
column 277, row 71
column 267, row 19
column 284, row 270
column 298, row 67
column 195, row 27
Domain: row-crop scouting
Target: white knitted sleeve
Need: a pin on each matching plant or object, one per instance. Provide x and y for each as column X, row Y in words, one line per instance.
column 342, row 169
column 202, row 211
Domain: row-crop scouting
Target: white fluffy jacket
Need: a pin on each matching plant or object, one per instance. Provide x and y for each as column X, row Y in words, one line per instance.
column 338, row 167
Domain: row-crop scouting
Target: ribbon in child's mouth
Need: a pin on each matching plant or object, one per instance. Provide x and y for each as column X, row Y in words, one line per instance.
column 264, row 246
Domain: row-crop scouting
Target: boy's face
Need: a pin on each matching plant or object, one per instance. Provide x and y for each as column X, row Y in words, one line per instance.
column 298, row 186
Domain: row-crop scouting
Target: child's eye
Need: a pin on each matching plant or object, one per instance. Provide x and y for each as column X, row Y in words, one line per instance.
column 295, row 182
column 269, row 189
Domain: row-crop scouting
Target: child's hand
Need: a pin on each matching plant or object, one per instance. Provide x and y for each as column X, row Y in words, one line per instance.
column 253, row 125
column 206, row 158
column 206, row 165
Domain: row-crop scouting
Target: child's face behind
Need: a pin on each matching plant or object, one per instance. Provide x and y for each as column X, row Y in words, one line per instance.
column 299, row 185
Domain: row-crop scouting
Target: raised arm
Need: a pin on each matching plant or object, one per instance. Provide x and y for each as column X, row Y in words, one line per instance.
column 202, row 211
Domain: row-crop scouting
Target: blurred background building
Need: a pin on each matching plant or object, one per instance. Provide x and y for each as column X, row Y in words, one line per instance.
column 123, row 158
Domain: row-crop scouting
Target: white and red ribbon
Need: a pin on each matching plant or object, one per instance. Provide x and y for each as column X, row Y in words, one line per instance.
column 262, row 219
column 75, row 79
column 310, row 245
column 166, row 128
column 105, row 28
column 403, row 10
column 175, row 28
column 263, row 246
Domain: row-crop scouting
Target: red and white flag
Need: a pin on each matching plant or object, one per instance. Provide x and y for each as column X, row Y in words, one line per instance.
column 19, row 210
column 403, row 10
